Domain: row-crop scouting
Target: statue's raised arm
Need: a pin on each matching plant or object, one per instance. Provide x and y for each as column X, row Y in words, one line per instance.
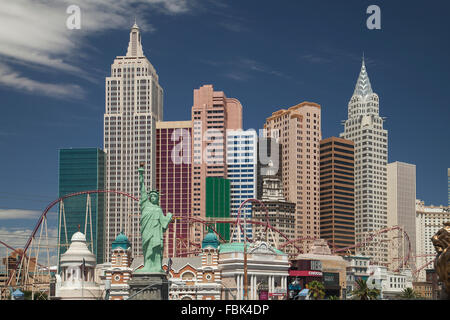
column 144, row 195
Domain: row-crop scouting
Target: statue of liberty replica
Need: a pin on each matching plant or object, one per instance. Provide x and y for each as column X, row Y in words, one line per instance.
column 150, row 282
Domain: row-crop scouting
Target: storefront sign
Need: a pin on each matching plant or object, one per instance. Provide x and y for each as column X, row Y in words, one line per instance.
column 330, row 279
column 298, row 273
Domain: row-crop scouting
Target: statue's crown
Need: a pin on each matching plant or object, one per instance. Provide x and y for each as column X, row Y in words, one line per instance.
column 153, row 192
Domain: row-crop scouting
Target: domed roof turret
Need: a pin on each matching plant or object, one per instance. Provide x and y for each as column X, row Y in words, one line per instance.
column 78, row 236
column 210, row 240
column 121, row 242
column 78, row 251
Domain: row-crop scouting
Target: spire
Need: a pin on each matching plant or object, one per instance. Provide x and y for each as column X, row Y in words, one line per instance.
column 363, row 87
column 135, row 46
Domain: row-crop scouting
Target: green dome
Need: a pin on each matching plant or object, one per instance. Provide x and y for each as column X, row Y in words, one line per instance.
column 210, row 240
column 121, row 242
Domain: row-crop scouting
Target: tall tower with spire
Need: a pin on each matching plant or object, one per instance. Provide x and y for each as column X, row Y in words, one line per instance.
column 364, row 127
column 134, row 103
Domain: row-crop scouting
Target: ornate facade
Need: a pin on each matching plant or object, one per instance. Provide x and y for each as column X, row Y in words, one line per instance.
column 364, row 127
column 196, row 278
column 76, row 280
column 119, row 273
column 133, row 105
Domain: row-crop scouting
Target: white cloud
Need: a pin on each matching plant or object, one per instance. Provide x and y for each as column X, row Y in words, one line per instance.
column 14, row 79
column 6, row 214
column 34, row 33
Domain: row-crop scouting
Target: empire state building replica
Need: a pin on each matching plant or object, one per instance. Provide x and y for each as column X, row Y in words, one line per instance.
column 134, row 103
column 364, row 127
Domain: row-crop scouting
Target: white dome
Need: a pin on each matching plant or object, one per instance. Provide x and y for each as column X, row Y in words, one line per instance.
column 78, row 236
column 78, row 251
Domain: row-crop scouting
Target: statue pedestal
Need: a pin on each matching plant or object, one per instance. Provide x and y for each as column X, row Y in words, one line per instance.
column 149, row 286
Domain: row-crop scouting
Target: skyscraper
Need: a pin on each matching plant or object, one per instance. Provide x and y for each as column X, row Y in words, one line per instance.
column 337, row 193
column 173, row 181
column 299, row 133
column 212, row 114
column 83, row 169
column 401, row 204
column 242, row 148
column 364, row 127
column 134, row 102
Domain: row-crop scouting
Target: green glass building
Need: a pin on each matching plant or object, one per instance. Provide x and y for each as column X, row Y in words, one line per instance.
column 83, row 169
column 218, row 203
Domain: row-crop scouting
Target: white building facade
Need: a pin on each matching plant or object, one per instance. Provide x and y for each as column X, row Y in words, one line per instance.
column 364, row 127
column 429, row 219
column 391, row 284
column 241, row 171
column 76, row 280
column 267, row 271
column 357, row 268
column 134, row 102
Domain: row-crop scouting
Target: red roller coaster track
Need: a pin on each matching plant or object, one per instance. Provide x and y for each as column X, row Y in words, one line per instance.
column 267, row 225
column 47, row 209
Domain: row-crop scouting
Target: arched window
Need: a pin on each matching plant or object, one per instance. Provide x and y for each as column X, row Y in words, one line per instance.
column 188, row 276
column 209, row 259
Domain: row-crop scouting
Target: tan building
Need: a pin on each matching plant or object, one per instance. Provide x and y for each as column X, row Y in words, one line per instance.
column 337, row 194
column 429, row 219
column 331, row 264
column 424, row 289
column 401, row 203
column 299, row 132
column 212, row 114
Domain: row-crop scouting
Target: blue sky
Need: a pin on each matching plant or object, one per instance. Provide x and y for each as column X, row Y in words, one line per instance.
column 267, row 54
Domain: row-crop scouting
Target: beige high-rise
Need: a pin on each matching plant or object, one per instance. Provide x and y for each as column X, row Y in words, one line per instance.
column 134, row 102
column 212, row 114
column 401, row 204
column 299, row 133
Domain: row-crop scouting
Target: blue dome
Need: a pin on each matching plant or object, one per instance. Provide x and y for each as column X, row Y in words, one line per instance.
column 210, row 240
column 121, row 242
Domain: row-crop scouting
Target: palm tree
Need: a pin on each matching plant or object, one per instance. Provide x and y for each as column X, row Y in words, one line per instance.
column 409, row 293
column 316, row 290
column 363, row 292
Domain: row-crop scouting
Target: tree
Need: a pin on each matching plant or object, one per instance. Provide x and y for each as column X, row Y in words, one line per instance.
column 363, row 292
column 316, row 290
column 333, row 298
column 409, row 293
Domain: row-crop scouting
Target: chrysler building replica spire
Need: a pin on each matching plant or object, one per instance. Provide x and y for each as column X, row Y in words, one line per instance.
column 134, row 103
column 364, row 127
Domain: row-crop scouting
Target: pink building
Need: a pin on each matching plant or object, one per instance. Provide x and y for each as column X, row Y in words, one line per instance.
column 212, row 114
column 300, row 134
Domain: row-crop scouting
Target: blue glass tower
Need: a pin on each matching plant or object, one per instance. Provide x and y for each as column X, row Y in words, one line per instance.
column 83, row 169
